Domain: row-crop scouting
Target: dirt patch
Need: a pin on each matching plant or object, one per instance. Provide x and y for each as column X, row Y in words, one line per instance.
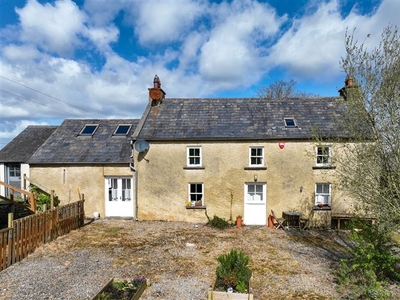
column 180, row 260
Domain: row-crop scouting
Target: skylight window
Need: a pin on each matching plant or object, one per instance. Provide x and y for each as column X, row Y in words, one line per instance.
column 122, row 129
column 89, row 129
column 290, row 122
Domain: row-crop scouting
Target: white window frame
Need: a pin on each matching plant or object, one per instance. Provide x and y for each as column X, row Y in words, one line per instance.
column 195, row 194
column 261, row 164
column 289, row 120
column 322, row 156
column 323, row 197
column 194, row 157
column 83, row 133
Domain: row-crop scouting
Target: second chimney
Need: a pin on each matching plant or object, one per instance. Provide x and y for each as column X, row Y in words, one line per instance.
column 156, row 94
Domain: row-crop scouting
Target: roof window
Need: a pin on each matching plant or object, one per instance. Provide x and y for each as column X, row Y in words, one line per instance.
column 122, row 129
column 290, row 122
column 89, row 129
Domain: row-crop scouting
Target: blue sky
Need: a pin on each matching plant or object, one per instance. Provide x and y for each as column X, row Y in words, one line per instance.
column 97, row 58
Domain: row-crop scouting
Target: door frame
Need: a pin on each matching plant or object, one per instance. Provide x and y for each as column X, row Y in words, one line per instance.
column 263, row 216
column 126, row 208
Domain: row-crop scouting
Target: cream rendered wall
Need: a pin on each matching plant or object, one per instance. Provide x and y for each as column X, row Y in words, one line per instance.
column 163, row 179
column 90, row 180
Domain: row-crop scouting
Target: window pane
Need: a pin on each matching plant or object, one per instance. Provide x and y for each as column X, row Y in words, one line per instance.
column 122, row 129
column 89, row 129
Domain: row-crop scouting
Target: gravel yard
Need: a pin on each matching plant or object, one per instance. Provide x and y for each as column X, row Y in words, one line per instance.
column 178, row 258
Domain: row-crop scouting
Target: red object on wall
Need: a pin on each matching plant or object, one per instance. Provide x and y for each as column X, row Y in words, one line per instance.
column 281, row 145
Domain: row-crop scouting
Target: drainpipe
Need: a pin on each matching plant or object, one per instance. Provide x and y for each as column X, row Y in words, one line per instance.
column 135, row 170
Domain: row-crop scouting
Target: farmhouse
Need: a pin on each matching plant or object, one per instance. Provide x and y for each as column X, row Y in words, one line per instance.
column 237, row 156
column 187, row 157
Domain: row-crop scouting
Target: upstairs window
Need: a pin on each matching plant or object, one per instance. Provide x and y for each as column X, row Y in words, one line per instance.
column 256, row 156
column 323, row 194
column 194, row 156
column 122, row 129
column 89, row 129
column 290, row 122
column 196, row 194
column 323, row 154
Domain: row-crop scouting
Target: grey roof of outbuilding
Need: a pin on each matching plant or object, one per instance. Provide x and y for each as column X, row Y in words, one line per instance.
column 66, row 146
column 22, row 147
column 242, row 119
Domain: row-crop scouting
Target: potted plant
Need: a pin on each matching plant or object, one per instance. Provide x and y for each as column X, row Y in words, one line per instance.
column 233, row 277
column 123, row 289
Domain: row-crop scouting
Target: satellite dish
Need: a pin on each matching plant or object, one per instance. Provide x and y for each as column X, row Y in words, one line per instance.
column 142, row 146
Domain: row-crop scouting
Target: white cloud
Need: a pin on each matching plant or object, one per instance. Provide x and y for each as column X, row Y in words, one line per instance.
column 315, row 43
column 12, row 130
column 233, row 53
column 158, row 22
column 20, row 53
column 54, row 28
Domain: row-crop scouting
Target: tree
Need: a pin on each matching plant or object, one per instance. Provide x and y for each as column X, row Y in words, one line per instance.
column 281, row 89
column 371, row 171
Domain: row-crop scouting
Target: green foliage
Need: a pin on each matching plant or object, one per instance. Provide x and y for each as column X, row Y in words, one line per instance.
column 218, row 222
column 42, row 197
column 233, row 270
column 372, row 262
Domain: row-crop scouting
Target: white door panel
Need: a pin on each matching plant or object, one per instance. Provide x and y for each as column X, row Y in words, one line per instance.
column 118, row 202
column 255, row 205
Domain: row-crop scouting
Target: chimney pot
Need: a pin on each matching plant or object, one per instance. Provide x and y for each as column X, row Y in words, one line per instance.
column 157, row 82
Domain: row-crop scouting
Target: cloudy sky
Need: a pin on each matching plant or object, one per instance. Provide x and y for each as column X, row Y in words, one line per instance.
column 97, row 58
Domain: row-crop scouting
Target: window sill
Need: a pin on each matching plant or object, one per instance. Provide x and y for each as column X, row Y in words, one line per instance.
column 324, row 167
column 194, row 168
column 196, row 207
column 255, row 168
column 316, row 207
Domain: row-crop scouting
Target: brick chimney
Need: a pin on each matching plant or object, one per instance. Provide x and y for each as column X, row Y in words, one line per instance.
column 156, row 94
column 350, row 90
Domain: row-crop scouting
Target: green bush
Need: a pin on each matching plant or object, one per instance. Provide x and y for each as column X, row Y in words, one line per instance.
column 219, row 223
column 233, row 271
column 371, row 264
column 42, row 197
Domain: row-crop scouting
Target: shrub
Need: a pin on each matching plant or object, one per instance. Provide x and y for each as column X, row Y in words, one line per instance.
column 219, row 223
column 233, row 271
column 371, row 263
column 42, row 197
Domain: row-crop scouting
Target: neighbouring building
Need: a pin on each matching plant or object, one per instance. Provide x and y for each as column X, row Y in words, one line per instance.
column 14, row 156
column 89, row 157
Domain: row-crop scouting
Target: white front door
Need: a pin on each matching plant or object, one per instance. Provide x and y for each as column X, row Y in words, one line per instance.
column 119, row 197
column 255, row 204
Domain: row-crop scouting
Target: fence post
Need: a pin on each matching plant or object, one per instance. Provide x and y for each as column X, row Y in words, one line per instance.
column 10, row 219
column 51, row 199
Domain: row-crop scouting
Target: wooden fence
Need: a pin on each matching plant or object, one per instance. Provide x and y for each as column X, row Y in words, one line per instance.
column 26, row 234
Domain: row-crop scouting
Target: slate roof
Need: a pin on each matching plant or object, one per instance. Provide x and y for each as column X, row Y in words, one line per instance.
column 242, row 119
column 22, row 147
column 66, row 146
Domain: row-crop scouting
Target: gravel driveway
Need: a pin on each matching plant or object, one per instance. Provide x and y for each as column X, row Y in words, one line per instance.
column 178, row 258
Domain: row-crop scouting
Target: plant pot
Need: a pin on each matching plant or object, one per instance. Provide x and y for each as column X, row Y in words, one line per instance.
column 198, row 204
column 239, row 221
column 219, row 295
column 135, row 296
